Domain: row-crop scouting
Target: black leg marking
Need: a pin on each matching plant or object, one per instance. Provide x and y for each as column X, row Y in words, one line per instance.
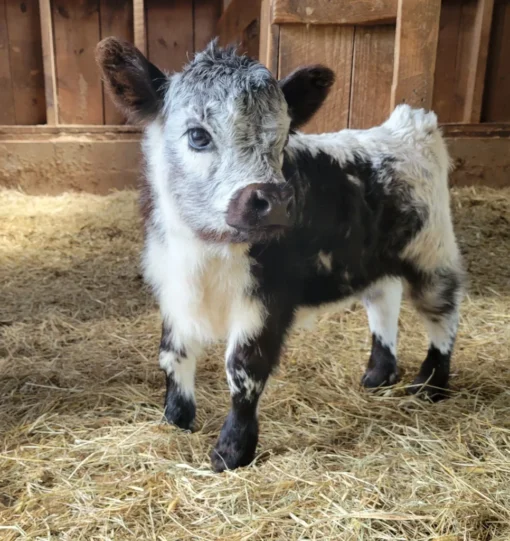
column 180, row 371
column 432, row 380
column 437, row 298
column 382, row 366
column 248, row 369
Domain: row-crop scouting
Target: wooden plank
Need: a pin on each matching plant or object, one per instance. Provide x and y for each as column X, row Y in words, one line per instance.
column 269, row 42
column 446, row 75
column 496, row 107
column 77, row 163
column 116, row 19
column 27, row 77
column 415, row 52
column 7, row 111
column 79, row 87
column 50, row 73
column 169, row 33
column 327, row 12
column 372, row 75
column 99, row 163
column 478, row 63
column 206, row 14
column 328, row 45
column 140, row 25
column 235, row 19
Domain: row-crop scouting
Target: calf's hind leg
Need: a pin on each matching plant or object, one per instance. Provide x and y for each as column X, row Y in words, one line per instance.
column 382, row 303
column 437, row 298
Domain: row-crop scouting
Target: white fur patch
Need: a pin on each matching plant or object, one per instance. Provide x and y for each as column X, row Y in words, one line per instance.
column 182, row 370
column 382, row 303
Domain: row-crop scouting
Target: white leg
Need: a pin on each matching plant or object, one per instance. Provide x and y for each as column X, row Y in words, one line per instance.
column 382, row 303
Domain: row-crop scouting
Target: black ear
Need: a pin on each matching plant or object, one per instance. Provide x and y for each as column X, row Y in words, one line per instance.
column 305, row 91
column 135, row 85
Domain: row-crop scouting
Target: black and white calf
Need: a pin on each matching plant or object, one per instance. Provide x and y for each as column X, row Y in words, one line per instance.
column 251, row 224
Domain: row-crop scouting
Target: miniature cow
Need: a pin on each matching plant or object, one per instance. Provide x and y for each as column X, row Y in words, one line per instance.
column 250, row 223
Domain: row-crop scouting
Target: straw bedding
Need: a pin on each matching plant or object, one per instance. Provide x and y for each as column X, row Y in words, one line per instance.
column 84, row 454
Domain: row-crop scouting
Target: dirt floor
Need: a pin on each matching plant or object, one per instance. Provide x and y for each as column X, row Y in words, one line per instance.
column 84, row 454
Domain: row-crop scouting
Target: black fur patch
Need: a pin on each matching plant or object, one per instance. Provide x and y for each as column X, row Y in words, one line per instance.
column 179, row 410
column 432, row 380
column 382, row 366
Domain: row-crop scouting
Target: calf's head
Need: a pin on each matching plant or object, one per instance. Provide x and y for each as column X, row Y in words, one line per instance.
column 223, row 123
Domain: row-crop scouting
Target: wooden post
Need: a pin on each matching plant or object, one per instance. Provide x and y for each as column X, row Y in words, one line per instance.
column 48, row 50
column 139, row 25
column 478, row 61
column 415, row 52
column 269, row 38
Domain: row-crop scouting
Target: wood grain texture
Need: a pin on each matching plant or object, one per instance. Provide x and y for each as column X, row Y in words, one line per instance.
column 329, row 45
column 206, row 14
column 79, row 87
column 415, row 52
column 342, row 12
column 48, row 54
column 236, row 18
column 169, row 33
column 116, row 19
column 139, row 25
column 7, row 111
column 25, row 51
column 478, row 61
column 496, row 104
column 269, row 42
column 372, row 74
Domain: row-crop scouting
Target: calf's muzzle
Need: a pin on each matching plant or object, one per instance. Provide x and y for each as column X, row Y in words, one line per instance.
column 262, row 205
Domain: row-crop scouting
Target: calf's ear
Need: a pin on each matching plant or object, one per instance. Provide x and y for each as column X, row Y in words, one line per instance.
column 305, row 90
column 135, row 85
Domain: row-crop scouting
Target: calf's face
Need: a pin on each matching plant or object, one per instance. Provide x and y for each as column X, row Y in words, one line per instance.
column 224, row 121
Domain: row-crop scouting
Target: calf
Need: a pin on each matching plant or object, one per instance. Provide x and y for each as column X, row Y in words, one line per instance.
column 249, row 224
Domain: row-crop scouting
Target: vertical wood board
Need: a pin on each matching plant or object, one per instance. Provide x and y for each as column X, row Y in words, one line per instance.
column 415, row 52
column 80, row 93
column 116, row 19
column 25, row 51
column 169, row 33
column 7, row 112
column 328, row 45
column 206, row 14
column 48, row 55
column 140, row 25
column 496, row 104
column 372, row 73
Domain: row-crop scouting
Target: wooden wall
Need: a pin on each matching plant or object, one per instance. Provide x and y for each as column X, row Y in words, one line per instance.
column 174, row 30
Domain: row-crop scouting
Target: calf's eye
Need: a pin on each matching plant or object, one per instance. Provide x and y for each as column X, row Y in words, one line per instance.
column 199, row 139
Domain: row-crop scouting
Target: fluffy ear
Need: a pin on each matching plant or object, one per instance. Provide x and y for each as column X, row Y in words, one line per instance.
column 135, row 85
column 305, row 91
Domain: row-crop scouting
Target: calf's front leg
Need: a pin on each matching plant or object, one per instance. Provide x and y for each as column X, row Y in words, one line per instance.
column 249, row 365
column 178, row 360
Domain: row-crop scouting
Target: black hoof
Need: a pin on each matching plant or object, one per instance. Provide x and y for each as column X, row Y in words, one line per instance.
column 180, row 411
column 433, row 389
column 380, row 377
column 236, row 445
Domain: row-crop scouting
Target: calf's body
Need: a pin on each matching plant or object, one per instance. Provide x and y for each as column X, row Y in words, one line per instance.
column 370, row 216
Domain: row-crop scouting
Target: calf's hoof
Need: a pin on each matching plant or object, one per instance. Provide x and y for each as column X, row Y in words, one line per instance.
column 236, row 445
column 380, row 376
column 433, row 389
column 180, row 411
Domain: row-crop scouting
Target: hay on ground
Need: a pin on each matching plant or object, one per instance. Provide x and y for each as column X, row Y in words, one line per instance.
column 84, row 454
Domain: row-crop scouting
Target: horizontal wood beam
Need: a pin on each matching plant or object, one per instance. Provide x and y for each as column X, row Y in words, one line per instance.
column 340, row 12
column 58, row 159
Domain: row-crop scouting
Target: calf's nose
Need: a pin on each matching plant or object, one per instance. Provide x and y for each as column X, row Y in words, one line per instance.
column 262, row 205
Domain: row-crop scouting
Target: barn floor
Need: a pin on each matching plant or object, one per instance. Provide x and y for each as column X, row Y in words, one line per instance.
column 84, row 455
